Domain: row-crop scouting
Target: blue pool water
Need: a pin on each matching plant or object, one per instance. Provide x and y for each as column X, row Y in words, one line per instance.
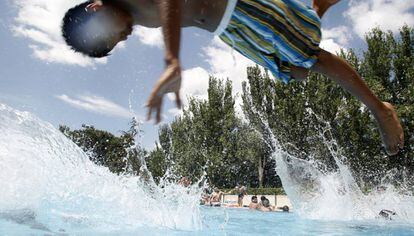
column 48, row 186
column 222, row 221
column 248, row 222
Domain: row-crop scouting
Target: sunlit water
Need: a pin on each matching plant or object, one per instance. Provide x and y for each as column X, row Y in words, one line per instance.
column 222, row 221
column 48, row 186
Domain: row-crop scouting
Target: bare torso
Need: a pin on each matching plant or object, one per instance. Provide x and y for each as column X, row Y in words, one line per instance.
column 204, row 14
column 216, row 197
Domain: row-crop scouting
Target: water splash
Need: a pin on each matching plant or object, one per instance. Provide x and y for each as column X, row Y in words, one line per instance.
column 48, row 182
column 333, row 195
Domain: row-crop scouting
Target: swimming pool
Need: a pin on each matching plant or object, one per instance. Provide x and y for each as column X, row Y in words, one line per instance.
column 48, row 186
column 225, row 221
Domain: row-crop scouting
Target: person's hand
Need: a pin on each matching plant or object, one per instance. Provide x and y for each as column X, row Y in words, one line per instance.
column 96, row 5
column 170, row 82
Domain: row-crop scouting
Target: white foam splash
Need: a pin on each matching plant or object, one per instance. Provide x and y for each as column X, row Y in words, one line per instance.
column 318, row 194
column 47, row 175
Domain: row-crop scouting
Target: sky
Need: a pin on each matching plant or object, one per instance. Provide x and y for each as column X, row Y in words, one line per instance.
column 40, row 74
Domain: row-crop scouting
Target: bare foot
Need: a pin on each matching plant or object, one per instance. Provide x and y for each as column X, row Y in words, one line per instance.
column 391, row 130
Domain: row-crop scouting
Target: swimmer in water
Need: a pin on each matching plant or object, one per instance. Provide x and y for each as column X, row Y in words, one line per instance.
column 254, row 203
column 280, row 35
column 265, row 205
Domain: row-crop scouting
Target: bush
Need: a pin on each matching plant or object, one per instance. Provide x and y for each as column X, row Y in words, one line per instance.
column 258, row 191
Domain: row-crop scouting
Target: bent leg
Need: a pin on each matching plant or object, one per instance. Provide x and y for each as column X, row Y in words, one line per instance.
column 342, row 73
column 321, row 6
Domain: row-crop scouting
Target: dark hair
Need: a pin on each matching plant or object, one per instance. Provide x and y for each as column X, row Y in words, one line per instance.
column 254, row 197
column 73, row 32
column 262, row 198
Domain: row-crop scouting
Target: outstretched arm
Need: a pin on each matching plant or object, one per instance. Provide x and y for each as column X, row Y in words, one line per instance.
column 170, row 81
column 170, row 11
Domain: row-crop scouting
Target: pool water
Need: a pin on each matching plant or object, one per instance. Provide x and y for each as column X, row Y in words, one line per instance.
column 226, row 221
column 251, row 222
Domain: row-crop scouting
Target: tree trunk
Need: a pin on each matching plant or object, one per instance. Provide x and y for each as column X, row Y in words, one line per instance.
column 261, row 172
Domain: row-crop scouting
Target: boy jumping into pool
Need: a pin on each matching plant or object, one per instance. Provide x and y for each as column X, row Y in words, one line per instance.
column 281, row 35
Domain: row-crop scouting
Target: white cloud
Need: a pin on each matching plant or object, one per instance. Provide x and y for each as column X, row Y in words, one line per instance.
column 335, row 39
column 149, row 36
column 387, row 14
column 195, row 82
column 98, row 105
column 341, row 34
column 225, row 62
column 331, row 46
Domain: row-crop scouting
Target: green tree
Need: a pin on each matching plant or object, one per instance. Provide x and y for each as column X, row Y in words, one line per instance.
column 209, row 138
column 157, row 163
column 120, row 154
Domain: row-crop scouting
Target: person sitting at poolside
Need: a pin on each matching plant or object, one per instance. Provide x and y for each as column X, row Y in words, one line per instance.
column 242, row 192
column 262, row 198
column 265, row 206
column 254, row 203
column 205, row 197
column 215, row 199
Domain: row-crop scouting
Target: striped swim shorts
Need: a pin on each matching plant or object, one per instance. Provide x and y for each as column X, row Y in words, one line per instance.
column 275, row 34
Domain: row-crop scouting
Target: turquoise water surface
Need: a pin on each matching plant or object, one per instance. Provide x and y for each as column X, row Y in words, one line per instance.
column 222, row 221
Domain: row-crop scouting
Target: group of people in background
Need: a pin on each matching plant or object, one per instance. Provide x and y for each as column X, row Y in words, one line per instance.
column 264, row 205
column 214, row 199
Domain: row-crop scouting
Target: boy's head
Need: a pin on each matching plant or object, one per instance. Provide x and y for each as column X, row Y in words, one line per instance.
column 254, row 199
column 95, row 32
column 285, row 208
column 266, row 203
